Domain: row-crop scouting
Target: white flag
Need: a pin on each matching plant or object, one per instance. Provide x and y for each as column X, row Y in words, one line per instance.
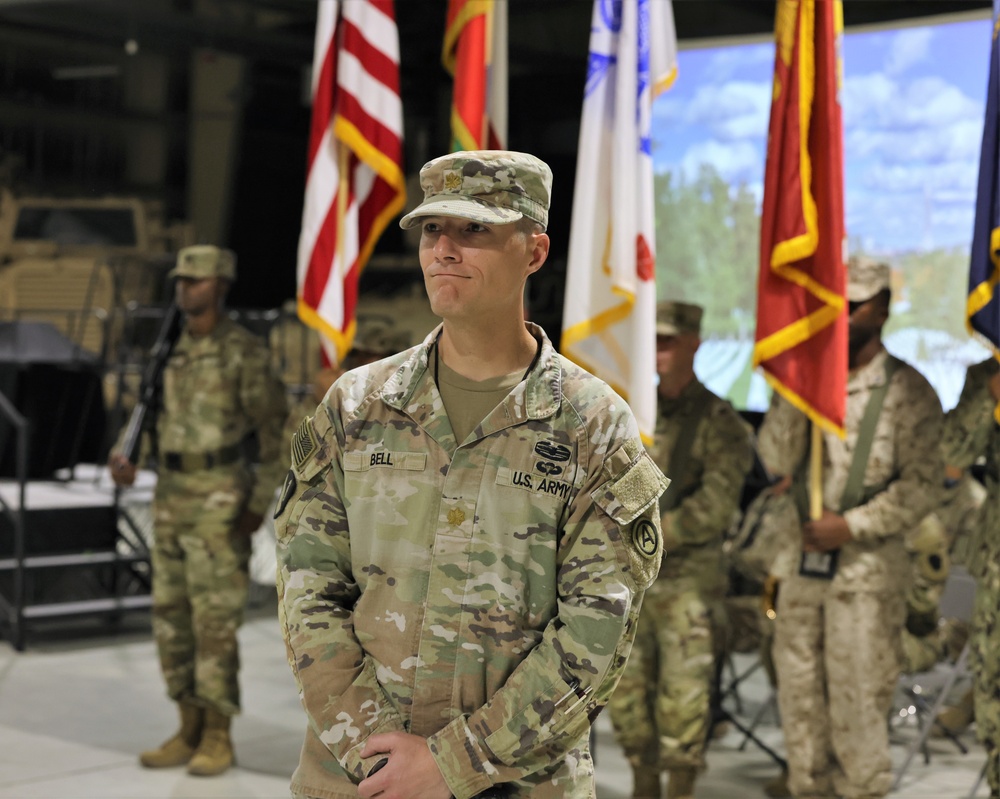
column 609, row 314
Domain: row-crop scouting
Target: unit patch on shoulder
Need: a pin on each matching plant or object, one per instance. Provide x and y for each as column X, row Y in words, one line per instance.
column 644, row 551
column 646, row 538
column 304, row 443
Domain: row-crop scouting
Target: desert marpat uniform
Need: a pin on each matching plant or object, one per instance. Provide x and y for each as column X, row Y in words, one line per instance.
column 217, row 390
column 661, row 708
column 483, row 596
column 970, row 432
column 836, row 644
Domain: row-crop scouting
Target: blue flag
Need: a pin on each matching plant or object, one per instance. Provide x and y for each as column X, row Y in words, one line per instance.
column 983, row 307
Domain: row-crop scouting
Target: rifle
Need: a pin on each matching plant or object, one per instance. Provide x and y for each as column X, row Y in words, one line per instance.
column 150, row 386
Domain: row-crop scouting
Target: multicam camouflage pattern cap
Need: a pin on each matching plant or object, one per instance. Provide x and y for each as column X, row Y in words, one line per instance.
column 205, row 260
column 866, row 277
column 673, row 318
column 377, row 334
column 495, row 187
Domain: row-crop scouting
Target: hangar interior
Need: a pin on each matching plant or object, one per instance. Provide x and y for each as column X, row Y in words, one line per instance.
column 169, row 122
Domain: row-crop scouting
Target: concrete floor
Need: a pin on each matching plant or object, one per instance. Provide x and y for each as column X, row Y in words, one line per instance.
column 75, row 709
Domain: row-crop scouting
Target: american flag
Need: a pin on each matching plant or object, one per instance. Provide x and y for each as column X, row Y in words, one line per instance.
column 355, row 183
column 801, row 340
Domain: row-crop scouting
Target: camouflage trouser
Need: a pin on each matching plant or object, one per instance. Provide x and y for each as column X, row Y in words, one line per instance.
column 200, row 583
column 837, row 659
column 661, row 708
column 985, row 663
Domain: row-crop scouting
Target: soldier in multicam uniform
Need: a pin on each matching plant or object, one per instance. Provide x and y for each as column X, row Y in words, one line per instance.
column 218, row 390
column 839, row 616
column 661, row 709
column 971, row 432
column 467, row 529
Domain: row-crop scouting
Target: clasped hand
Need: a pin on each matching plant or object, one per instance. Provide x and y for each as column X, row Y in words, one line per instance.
column 825, row 534
column 410, row 772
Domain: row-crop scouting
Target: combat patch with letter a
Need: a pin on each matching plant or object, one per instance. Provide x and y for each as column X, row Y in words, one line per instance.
column 646, row 538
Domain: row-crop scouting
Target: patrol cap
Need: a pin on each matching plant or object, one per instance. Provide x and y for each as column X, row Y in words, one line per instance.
column 673, row 318
column 205, row 260
column 377, row 334
column 866, row 277
column 495, row 187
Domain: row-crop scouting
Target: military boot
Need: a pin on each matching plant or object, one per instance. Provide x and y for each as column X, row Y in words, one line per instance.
column 178, row 750
column 680, row 783
column 215, row 752
column 646, row 782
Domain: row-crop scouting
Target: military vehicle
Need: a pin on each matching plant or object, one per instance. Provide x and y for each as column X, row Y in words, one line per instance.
column 78, row 263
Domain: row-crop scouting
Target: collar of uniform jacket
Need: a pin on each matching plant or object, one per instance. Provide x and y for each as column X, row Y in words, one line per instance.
column 537, row 397
column 870, row 375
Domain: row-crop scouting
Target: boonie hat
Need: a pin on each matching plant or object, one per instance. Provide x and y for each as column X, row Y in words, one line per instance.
column 205, row 260
column 866, row 277
column 495, row 187
column 673, row 318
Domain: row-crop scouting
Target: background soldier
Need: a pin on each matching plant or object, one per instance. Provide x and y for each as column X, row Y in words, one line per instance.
column 971, row 431
column 661, row 710
column 467, row 529
column 376, row 337
column 837, row 631
column 218, row 391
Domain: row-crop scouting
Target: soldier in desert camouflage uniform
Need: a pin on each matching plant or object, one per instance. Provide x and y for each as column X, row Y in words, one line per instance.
column 661, row 709
column 971, row 432
column 467, row 529
column 218, row 390
column 836, row 646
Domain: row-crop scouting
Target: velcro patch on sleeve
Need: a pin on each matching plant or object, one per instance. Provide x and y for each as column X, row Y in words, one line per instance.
column 312, row 446
column 632, row 491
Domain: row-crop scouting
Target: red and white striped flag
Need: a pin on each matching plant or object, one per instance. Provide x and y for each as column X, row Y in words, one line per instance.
column 355, row 185
column 475, row 54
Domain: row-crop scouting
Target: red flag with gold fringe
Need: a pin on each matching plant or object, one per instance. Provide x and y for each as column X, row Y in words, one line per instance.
column 475, row 54
column 801, row 339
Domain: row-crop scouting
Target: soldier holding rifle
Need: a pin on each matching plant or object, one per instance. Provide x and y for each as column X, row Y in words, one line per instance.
column 218, row 390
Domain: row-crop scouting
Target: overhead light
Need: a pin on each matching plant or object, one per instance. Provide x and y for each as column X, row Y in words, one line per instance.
column 131, row 46
column 86, row 73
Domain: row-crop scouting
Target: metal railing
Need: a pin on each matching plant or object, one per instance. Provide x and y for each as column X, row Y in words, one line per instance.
column 14, row 609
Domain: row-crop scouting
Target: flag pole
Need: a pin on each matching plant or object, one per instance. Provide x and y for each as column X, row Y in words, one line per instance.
column 816, row 473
